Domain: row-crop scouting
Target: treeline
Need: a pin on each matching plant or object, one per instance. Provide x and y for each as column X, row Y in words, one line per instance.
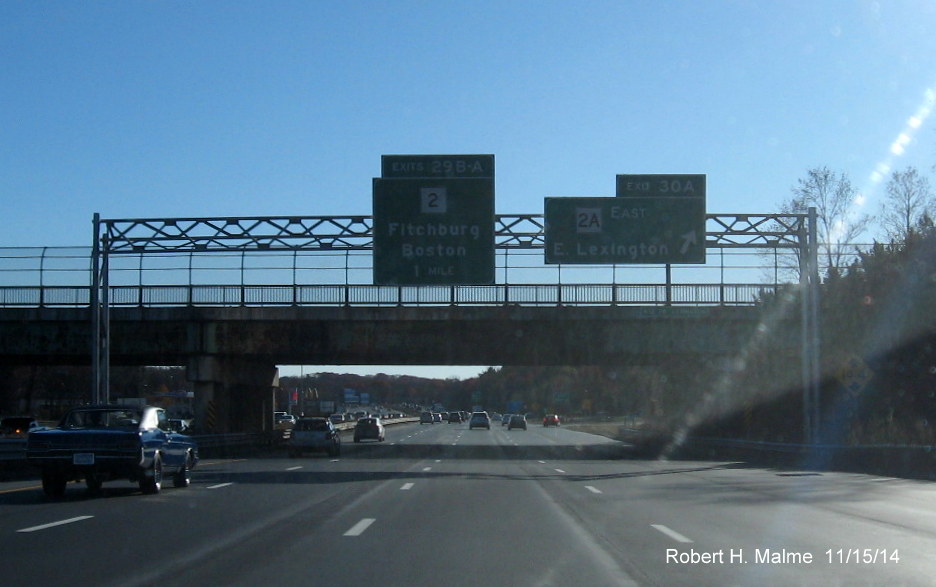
column 878, row 356
column 567, row 390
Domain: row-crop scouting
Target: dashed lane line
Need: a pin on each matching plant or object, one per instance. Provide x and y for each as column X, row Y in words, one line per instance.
column 360, row 527
column 407, row 486
column 219, row 485
column 671, row 533
column 54, row 524
column 594, row 490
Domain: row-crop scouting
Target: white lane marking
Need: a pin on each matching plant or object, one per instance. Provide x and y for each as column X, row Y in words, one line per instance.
column 438, row 460
column 358, row 529
column 407, row 486
column 559, row 470
column 335, row 460
column 54, row 524
column 427, row 468
column 541, row 462
column 219, row 485
column 671, row 533
column 593, row 489
column 296, row 468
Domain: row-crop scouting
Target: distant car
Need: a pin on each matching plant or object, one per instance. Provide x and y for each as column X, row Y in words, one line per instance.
column 336, row 418
column 517, row 421
column 479, row 420
column 178, row 424
column 369, row 428
column 312, row 434
column 283, row 420
column 426, row 418
column 454, row 417
column 506, row 419
column 551, row 420
column 436, row 417
column 19, row 426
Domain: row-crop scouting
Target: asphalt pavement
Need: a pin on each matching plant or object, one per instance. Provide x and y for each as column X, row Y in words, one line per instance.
column 442, row 504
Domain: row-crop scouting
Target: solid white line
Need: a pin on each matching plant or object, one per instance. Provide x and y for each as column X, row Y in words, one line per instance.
column 296, row 468
column 406, row 486
column 219, row 485
column 592, row 489
column 671, row 533
column 53, row 524
column 358, row 529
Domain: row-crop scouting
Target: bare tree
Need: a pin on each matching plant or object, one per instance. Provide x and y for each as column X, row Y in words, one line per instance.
column 840, row 224
column 909, row 199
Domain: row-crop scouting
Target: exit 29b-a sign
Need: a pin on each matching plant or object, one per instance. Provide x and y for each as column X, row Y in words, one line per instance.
column 433, row 231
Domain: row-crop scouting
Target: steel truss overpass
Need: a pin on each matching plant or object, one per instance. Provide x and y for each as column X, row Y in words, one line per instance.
column 325, row 311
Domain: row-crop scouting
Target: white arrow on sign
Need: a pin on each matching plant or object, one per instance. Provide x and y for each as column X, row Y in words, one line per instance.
column 688, row 239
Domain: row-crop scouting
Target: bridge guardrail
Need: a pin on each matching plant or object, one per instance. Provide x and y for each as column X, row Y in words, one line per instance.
column 374, row 295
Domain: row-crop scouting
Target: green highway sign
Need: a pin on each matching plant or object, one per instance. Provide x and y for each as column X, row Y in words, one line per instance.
column 434, row 231
column 625, row 230
column 661, row 185
column 468, row 166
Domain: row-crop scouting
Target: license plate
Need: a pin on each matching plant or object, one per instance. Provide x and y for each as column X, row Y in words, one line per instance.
column 83, row 458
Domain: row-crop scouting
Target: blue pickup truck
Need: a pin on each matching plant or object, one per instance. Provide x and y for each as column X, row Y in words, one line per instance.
column 101, row 443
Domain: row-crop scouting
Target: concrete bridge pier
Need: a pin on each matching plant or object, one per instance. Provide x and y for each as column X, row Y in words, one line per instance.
column 232, row 394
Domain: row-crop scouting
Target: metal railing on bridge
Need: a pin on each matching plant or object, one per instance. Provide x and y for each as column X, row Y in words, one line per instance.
column 329, row 262
column 700, row 294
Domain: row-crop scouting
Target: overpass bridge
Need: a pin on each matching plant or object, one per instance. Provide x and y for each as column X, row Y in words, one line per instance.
column 160, row 292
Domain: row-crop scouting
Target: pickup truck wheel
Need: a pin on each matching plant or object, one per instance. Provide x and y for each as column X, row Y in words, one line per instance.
column 151, row 482
column 53, row 485
column 183, row 477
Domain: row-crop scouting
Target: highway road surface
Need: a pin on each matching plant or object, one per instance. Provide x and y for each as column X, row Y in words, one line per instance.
column 442, row 504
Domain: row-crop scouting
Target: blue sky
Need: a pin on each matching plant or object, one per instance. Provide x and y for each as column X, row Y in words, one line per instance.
column 169, row 109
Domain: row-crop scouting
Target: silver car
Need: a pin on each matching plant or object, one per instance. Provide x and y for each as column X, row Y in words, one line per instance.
column 314, row 434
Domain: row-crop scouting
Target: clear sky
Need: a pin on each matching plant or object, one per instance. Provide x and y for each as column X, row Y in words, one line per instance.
column 207, row 108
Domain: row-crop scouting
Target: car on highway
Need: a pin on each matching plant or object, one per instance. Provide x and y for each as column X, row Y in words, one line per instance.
column 99, row 443
column 436, row 417
column 426, row 418
column 369, row 428
column 550, row 420
column 283, row 420
column 454, row 417
column 517, row 421
column 479, row 420
column 314, row 434
column 505, row 419
column 19, row 426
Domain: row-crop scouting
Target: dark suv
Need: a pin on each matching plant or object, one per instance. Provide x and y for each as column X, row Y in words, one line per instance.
column 517, row 421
